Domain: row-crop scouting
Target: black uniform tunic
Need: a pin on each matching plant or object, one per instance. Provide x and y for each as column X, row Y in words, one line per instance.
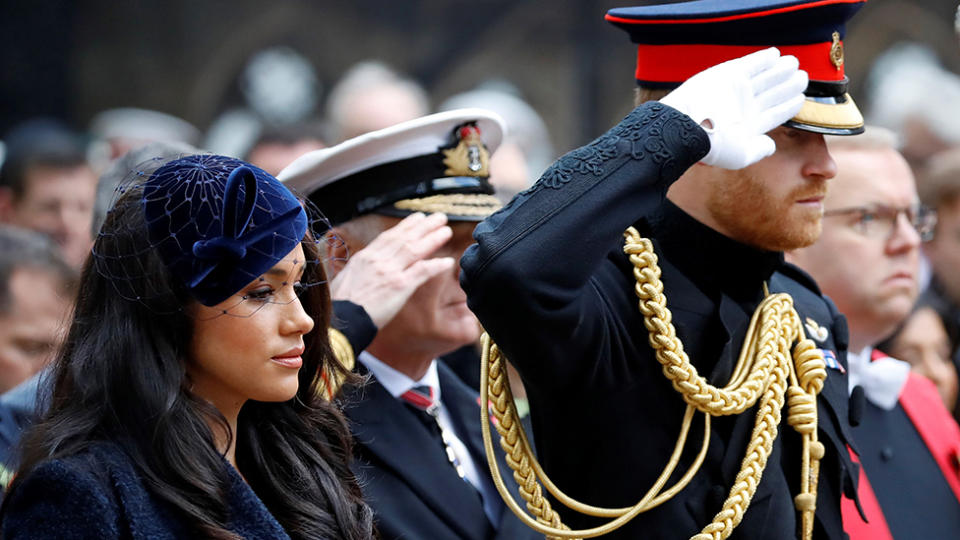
column 916, row 500
column 549, row 281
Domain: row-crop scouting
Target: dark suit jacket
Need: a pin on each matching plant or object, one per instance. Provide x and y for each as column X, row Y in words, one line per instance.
column 909, row 455
column 550, row 282
column 406, row 478
column 98, row 494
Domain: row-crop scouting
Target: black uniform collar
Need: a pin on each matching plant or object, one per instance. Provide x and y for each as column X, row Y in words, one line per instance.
column 714, row 262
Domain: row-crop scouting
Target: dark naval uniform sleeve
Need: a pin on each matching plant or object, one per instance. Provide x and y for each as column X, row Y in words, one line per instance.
column 354, row 323
column 528, row 277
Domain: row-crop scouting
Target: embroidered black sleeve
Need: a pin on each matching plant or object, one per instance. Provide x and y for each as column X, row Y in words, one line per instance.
column 654, row 130
column 533, row 262
column 614, row 179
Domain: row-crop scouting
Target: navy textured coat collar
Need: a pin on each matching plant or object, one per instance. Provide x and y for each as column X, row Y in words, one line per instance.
column 98, row 493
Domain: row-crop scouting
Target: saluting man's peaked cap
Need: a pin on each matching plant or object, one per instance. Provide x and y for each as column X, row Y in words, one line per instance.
column 676, row 41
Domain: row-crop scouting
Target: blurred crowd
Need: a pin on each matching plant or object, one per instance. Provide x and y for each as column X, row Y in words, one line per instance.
column 57, row 182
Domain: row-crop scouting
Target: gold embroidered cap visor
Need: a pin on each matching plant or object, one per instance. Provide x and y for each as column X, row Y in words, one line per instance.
column 437, row 163
column 457, row 207
column 830, row 115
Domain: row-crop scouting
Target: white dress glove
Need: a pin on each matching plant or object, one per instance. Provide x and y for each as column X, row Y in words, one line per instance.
column 740, row 100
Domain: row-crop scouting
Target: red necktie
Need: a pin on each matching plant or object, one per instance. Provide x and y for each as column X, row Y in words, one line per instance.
column 421, row 397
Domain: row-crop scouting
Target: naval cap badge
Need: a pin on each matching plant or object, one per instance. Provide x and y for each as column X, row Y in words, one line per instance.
column 469, row 157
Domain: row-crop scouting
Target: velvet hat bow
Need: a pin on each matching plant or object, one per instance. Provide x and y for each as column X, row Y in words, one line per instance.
column 218, row 223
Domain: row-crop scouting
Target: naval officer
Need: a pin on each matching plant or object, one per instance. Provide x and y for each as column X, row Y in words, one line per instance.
column 418, row 452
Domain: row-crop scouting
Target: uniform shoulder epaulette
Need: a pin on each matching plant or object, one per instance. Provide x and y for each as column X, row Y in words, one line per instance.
column 811, row 301
column 799, row 275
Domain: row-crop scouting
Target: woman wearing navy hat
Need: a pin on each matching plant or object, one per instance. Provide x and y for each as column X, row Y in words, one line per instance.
column 185, row 401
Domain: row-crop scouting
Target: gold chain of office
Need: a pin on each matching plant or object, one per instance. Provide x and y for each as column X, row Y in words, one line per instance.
column 764, row 373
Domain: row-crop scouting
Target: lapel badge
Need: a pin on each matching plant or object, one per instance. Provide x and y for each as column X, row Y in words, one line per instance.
column 469, row 157
column 836, row 51
column 816, row 331
column 831, row 360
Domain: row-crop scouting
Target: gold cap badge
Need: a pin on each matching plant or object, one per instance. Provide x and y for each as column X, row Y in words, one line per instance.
column 836, row 51
column 470, row 156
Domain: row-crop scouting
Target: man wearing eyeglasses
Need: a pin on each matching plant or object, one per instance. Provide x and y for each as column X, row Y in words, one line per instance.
column 867, row 261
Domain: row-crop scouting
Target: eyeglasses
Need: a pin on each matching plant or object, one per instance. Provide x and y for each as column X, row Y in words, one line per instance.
column 879, row 221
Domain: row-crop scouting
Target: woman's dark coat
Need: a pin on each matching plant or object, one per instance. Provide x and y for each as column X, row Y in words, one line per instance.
column 98, row 494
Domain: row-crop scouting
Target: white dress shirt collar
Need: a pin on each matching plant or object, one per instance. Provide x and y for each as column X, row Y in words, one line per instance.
column 882, row 379
column 396, row 382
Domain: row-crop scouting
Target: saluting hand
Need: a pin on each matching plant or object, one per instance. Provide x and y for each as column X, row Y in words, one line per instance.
column 739, row 101
column 382, row 276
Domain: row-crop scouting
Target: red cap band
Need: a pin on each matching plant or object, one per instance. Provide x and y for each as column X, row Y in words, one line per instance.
column 677, row 63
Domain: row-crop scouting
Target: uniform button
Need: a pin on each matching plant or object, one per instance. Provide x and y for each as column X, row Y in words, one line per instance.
column 886, row 453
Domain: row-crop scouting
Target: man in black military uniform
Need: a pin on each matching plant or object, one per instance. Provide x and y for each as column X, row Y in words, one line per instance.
column 694, row 173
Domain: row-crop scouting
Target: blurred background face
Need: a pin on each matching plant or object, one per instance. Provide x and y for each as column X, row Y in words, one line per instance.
column 776, row 203
column 509, row 173
column 59, row 203
column 31, row 329
column 867, row 268
column 944, row 249
column 924, row 343
column 273, row 157
column 377, row 108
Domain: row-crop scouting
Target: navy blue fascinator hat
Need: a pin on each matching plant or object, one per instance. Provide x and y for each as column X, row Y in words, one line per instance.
column 219, row 223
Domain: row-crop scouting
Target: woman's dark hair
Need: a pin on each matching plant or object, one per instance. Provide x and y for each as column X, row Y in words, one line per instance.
column 121, row 377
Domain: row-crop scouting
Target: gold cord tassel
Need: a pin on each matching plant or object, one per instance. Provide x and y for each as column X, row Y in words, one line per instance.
column 343, row 352
column 764, row 373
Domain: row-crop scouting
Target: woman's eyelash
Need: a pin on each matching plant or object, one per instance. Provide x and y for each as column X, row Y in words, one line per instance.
column 263, row 293
column 266, row 293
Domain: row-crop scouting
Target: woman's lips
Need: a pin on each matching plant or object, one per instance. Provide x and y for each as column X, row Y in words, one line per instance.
column 288, row 361
column 291, row 358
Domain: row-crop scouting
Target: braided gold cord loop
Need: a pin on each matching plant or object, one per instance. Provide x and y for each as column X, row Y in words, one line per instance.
column 811, row 368
column 509, row 429
column 766, row 373
column 692, row 386
column 494, row 381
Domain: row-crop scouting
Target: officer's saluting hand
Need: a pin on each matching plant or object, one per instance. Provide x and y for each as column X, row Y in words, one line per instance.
column 739, row 101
